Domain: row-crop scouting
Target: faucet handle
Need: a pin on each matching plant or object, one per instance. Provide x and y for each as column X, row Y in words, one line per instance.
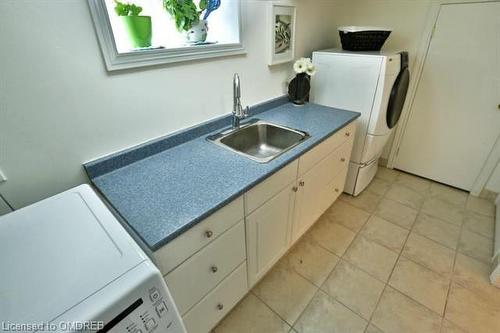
column 245, row 112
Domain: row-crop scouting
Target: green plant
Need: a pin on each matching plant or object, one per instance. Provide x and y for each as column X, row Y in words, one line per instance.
column 127, row 9
column 185, row 12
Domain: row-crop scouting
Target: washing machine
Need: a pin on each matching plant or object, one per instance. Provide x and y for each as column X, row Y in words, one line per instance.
column 68, row 265
column 372, row 83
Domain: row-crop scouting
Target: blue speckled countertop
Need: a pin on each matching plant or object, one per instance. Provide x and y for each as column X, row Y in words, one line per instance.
column 165, row 194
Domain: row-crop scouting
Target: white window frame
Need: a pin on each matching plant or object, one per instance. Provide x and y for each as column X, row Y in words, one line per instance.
column 117, row 61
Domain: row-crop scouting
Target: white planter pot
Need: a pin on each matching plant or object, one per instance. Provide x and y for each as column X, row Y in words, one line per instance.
column 198, row 32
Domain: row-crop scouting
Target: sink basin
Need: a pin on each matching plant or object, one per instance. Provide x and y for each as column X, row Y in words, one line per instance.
column 260, row 141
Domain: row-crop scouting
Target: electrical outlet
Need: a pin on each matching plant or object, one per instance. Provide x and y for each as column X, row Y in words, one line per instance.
column 3, row 178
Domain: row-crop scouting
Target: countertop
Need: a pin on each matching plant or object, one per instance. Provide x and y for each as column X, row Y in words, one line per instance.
column 165, row 194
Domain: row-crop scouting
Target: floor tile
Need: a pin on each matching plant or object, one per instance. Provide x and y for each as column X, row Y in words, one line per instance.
column 354, row 288
column 429, row 253
column 397, row 313
column 371, row 257
column 346, row 214
column 367, row 200
column 417, row 184
column 438, row 230
column 311, row 260
column 406, row 196
column 466, row 310
column 447, row 327
column 385, row 233
column 421, row 284
column 373, row 329
column 476, row 246
column 379, row 186
column 443, row 210
column 480, row 224
column 388, row 175
column 325, row 315
column 332, row 236
column 396, row 213
column 481, row 206
column 448, row 194
column 251, row 315
column 475, row 276
column 285, row 292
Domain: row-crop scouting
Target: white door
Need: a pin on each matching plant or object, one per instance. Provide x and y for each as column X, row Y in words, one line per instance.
column 455, row 117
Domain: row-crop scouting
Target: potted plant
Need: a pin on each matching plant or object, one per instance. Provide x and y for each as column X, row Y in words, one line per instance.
column 138, row 27
column 187, row 17
column 299, row 87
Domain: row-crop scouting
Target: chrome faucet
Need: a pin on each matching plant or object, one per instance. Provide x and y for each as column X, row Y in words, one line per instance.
column 238, row 111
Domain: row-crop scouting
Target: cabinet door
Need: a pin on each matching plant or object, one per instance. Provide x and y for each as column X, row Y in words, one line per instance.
column 307, row 208
column 315, row 188
column 268, row 233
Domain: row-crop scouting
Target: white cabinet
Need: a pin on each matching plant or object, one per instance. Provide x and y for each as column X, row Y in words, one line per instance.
column 319, row 188
column 211, row 266
column 268, row 231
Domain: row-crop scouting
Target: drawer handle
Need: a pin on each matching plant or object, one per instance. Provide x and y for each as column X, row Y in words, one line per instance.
column 214, row 269
column 220, row 306
column 347, row 133
column 295, row 189
column 302, row 183
column 342, row 159
column 209, row 233
column 336, row 190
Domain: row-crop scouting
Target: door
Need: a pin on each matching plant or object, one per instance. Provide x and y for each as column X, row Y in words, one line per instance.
column 455, row 119
column 268, row 233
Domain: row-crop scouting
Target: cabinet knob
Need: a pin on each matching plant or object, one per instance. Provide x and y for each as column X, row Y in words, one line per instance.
column 209, row 233
column 295, row 188
column 342, row 159
column 302, row 183
column 347, row 133
column 220, row 306
column 336, row 190
column 214, row 269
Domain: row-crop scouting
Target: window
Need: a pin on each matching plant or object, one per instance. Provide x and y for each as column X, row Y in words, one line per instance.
column 128, row 41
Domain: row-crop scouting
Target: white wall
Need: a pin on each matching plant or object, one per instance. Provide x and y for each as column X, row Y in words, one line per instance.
column 494, row 180
column 407, row 18
column 60, row 108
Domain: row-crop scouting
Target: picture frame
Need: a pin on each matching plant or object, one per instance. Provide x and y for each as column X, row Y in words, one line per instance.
column 281, row 23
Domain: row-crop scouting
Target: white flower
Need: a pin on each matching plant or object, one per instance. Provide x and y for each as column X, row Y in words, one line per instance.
column 300, row 66
column 311, row 69
column 304, row 65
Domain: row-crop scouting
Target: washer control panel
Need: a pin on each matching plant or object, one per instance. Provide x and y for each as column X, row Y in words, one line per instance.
column 153, row 312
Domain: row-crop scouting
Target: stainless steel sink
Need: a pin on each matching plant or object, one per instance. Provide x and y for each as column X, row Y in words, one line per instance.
column 259, row 141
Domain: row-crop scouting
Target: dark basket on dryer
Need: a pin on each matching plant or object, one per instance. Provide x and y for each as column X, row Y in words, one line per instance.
column 363, row 38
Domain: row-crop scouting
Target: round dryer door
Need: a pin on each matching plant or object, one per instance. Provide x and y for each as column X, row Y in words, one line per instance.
column 397, row 97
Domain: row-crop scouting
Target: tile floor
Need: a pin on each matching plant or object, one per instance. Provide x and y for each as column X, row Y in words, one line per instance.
column 407, row 255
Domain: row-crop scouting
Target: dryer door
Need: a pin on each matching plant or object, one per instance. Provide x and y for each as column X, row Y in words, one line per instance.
column 397, row 97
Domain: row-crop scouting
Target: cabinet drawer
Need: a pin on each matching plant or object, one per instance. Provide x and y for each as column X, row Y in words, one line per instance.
column 337, row 161
column 194, row 278
column 270, row 187
column 311, row 158
column 213, row 307
column 333, row 190
column 178, row 250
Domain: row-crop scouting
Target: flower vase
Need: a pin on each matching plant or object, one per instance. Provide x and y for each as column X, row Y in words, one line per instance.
column 298, row 89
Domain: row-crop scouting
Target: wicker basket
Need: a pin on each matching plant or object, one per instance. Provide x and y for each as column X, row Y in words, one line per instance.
column 363, row 38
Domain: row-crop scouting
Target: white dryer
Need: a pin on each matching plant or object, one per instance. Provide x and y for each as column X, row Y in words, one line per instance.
column 372, row 83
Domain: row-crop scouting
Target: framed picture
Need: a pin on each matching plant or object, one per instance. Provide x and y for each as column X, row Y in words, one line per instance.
column 281, row 25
